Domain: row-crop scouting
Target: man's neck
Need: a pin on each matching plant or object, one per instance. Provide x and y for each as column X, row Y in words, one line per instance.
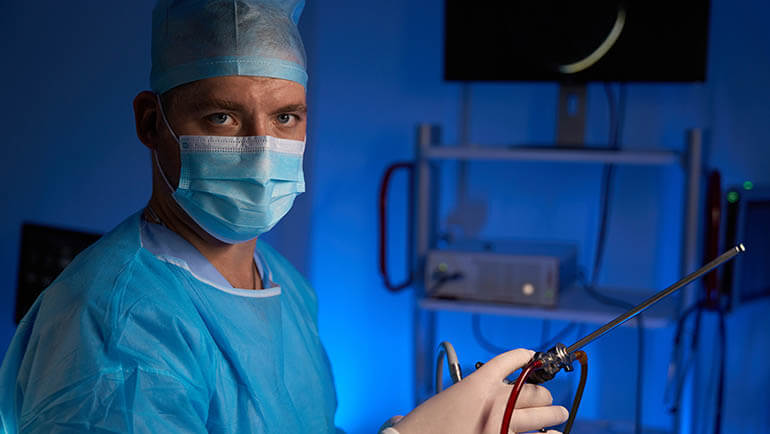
column 235, row 262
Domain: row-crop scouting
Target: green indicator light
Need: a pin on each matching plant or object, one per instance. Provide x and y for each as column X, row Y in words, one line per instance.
column 748, row 185
column 732, row 196
column 442, row 267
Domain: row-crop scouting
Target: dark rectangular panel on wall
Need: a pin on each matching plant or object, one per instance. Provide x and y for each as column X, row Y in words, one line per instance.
column 577, row 41
column 755, row 272
column 45, row 252
column 748, row 222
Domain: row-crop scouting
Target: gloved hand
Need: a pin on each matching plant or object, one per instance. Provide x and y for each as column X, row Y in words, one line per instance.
column 387, row 427
column 477, row 403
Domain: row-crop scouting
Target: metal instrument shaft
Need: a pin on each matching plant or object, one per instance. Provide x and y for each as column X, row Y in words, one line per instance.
column 724, row 257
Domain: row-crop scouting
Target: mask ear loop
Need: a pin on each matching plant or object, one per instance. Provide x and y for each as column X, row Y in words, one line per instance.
column 155, row 151
column 165, row 120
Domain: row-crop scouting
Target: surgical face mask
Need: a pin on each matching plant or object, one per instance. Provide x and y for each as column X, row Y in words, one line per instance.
column 236, row 188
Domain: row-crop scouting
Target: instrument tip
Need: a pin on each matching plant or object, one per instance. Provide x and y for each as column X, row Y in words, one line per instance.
column 741, row 247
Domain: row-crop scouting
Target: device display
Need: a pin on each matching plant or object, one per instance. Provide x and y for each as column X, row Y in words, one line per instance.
column 579, row 41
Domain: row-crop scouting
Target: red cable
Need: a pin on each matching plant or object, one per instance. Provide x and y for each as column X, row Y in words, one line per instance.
column 383, row 225
column 583, row 359
column 711, row 238
column 514, row 396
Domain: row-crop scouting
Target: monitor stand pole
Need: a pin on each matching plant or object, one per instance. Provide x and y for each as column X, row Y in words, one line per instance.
column 571, row 117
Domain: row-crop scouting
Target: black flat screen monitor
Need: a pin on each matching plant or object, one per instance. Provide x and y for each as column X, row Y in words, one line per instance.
column 45, row 252
column 576, row 41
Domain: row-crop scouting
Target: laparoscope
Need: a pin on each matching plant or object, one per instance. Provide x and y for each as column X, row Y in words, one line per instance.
column 545, row 365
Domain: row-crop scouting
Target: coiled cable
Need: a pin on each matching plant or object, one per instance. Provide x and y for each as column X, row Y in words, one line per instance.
column 455, row 372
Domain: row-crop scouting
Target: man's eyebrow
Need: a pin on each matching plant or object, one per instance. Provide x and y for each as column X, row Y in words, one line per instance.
column 302, row 108
column 209, row 103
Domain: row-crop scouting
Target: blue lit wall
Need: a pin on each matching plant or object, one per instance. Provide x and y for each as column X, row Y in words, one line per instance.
column 70, row 156
column 71, row 159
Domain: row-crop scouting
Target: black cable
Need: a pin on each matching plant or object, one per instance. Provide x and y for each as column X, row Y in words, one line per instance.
column 721, row 383
column 601, row 237
column 683, row 317
column 490, row 347
column 703, row 307
column 639, row 375
column 696, row 330
column 602, row 298
column 583, row 359
column 442, row 279
column 639, row 351
column 696, row 337
column 698, row 309
column 608, row 170
column 483, row 342
column 681, row 367
column 616, row 125
column 615, row 138
column 614, row 143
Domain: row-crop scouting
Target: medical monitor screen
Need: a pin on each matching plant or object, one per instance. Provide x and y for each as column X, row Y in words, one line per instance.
column 45, row 252
column 576, row 41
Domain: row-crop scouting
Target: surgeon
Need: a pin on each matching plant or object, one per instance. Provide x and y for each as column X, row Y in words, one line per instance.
column 180, row 320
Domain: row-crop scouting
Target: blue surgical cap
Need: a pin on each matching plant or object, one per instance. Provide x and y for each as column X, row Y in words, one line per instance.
column 197, row 39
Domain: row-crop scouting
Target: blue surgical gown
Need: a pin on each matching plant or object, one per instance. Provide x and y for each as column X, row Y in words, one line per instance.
column 141, row 334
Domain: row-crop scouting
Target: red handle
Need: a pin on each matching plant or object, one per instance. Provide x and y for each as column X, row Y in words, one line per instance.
column 383, row 223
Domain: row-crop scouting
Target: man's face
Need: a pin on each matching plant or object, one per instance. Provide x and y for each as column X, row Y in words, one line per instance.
column 232, row 106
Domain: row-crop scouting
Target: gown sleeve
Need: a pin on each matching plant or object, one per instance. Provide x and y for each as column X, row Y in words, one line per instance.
column 112, row 367
column 126, row 400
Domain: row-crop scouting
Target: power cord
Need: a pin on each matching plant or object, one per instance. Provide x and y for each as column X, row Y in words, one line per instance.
column 492, row 348
column 483, row 342
column 610, row 301
column 617, row 115
column 679, row 369
column 721, row 382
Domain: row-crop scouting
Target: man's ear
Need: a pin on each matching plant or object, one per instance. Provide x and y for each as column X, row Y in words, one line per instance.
column 146, row 118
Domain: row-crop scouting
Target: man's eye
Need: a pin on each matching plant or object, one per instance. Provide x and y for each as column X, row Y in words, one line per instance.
column 219, row 118
column 285, row 118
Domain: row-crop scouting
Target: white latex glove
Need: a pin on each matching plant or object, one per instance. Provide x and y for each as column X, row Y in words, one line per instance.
column 477, row 403
column 387, row 427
